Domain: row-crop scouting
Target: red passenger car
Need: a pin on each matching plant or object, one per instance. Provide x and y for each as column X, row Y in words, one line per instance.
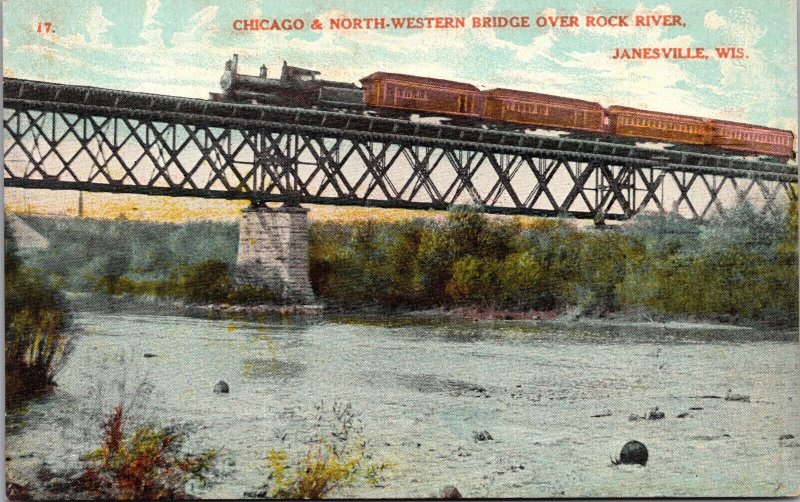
column 666, row 127
column 753, row 139
column 429, row 96
column 542, row 110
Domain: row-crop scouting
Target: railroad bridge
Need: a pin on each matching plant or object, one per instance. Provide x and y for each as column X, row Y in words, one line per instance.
column 68, row 137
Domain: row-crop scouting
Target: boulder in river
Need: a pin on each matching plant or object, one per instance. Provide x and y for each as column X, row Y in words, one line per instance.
column 450, row 492
column 149, row 355
column 483, row 436
column 633, row 452
column 788, row 440
column 221, row 387
column 655, row 414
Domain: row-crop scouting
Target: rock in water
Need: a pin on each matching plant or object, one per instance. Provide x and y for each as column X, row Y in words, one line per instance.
column 221, row 387
column 633, row 452
column 450, row 492
column 655, row 414
column 788, row 440
column 737, row 397
column 482, row 436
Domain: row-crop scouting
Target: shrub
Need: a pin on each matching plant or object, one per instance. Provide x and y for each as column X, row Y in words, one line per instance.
column 248, row 294
column 475, row 279
column 146, row 464
column 334, row 459
column 35, row 320
column 208, row 281
column 316, row 475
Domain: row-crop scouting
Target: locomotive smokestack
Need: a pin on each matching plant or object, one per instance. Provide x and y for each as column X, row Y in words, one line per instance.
column 263, row 72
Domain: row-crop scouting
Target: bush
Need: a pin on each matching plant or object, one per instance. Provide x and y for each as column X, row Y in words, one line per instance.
column 335, row 459
column 314, row 476
column 35, row 321
column 208, row 281
column 475, row 280
column 146, row 464
column 248, row 294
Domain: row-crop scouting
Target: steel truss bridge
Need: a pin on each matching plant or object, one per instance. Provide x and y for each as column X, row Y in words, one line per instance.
column 83, row 138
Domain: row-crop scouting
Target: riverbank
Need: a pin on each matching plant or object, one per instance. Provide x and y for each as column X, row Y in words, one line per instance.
column 568, row 316
column 739, row 269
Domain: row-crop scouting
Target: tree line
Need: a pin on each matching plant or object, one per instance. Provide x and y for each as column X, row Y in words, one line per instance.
column 742, row 265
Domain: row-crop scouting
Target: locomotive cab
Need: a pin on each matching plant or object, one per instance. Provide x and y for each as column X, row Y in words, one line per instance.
column 295, row 74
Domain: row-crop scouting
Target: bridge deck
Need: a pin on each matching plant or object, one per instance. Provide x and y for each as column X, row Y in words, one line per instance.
column 167, row 145
column 110, row 102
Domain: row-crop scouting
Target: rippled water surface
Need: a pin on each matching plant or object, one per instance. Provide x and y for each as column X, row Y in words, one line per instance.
column 423, row 389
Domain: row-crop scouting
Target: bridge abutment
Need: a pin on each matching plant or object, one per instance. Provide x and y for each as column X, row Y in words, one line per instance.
column 273, row 251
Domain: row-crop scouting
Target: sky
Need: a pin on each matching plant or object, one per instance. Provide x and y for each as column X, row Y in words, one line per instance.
column 180, row 48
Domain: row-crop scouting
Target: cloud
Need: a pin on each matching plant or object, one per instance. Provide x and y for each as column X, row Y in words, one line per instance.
column 552, row 61
column 151, row 8
column 743, row 28
column 97, row 25
column 201, row 28
column 713, row 21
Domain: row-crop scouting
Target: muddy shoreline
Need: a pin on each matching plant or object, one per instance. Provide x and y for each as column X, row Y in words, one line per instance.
column 569, row 316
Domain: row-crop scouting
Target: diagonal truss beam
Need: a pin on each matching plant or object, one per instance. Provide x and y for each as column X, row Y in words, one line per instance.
column 123, row 153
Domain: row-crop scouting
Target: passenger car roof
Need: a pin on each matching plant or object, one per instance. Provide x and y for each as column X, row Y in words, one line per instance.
column 380, row 75
column 511, row 93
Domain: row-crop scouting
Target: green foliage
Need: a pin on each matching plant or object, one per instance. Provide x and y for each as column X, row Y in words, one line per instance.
column 475, row 280
column 208, row 281
column 35, row 320
column 146, row 464
column 115, row 256
column 11, row 258
column 602, row 266
column 314, row 476
column 743, row 264
column 739, row 266
column 336, row 457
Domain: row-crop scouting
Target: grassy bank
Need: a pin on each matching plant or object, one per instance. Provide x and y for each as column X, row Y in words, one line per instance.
column 742, row 266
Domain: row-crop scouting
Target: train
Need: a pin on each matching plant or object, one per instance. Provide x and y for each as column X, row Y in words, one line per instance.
column 401, row 96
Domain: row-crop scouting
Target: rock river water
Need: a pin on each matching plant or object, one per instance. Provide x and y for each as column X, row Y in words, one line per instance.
column 422, row 389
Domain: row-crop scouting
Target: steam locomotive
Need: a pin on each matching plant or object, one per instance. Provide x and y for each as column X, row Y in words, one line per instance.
column 399, row 95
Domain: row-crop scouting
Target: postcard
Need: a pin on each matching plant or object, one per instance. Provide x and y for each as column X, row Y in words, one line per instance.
column 424, row 249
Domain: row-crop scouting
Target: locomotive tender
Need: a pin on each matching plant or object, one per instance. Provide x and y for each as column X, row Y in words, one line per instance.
column 395, row 94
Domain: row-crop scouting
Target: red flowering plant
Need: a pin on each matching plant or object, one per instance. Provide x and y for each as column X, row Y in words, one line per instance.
column 146, row 464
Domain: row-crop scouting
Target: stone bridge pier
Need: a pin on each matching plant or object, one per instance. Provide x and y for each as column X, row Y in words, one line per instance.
column 273, row 251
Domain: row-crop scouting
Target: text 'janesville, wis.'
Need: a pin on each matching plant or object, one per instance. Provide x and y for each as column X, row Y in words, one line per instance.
column 506, row 22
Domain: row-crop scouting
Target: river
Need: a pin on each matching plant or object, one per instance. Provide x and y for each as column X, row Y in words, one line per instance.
column 423, row 388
